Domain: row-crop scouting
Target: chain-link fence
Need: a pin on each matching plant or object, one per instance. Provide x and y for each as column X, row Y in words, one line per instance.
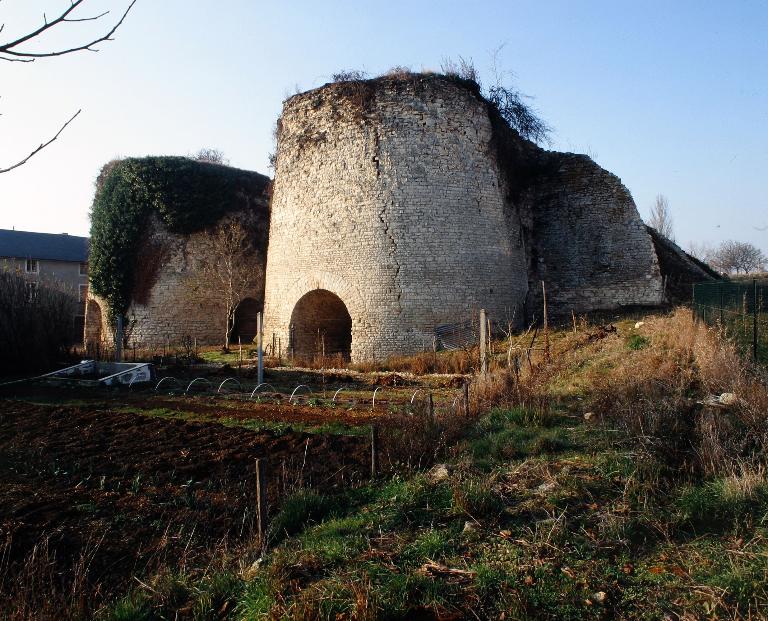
column 739, row 309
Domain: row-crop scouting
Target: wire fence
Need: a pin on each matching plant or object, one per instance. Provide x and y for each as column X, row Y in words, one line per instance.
column 739, row 309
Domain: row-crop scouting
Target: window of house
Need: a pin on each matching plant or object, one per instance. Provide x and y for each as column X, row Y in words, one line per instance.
column 83, row 293
column 32, row 266
column 83, row 269
column 31, row 290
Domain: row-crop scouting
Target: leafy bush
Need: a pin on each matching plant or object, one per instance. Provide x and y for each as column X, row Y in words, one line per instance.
column 186, row 195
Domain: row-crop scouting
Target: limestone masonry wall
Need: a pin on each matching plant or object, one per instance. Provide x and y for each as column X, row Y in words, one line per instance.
column 165, row 305
column 588, row 242
column 387, row 195
column 173, row 300
column 400, row 204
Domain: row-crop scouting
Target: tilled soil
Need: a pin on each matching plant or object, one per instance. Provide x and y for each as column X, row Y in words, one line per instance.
column 126, row 492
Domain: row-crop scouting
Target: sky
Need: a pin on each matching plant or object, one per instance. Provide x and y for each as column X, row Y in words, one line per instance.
column 670, row 96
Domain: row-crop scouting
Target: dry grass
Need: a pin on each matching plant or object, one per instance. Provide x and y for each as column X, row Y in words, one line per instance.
column 665, row 396
column 658, row 381
column 461, row 361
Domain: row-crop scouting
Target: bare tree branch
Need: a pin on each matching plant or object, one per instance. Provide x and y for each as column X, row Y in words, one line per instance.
column 9, row 52
column 661, row 217
column 41, row 147
column 9, row 48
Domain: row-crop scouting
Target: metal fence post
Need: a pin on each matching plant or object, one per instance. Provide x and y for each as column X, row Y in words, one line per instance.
column 754, row 319
column 720, row 290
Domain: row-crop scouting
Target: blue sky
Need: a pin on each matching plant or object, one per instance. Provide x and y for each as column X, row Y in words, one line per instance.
column 670, row 96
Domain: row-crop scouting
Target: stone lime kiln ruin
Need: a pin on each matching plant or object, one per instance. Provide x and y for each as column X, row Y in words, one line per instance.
column 399, row 204
column 403, row 203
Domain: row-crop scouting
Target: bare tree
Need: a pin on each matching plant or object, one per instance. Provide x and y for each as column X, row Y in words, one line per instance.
column 661, row 217
column 228, row 274
column 733, row 256
column 18, row 50
column 213, row 156
column 701, row 251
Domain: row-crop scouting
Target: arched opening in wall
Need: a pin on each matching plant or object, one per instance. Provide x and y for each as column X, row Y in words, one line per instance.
column 321, row 324
column 246, row 318
column 93, row 331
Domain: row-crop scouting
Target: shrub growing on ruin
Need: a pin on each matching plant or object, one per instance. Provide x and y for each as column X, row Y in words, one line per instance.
column 504, row 98
column 350, row 75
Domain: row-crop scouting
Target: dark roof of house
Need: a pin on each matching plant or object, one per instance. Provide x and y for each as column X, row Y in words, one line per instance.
column 45, row 246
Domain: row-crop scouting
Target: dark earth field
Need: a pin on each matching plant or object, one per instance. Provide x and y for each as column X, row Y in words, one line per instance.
column 109, row 494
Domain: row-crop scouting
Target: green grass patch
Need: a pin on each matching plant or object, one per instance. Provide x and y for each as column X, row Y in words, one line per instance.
column 724, row 503
column 636, row 342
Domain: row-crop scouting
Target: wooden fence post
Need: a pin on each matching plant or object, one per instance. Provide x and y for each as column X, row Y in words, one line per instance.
column 119, row 339
column 374, row 451
column 431, row 409
column 261, row 500
column 483, row 342
column 466, row 399
column 260, row 347
column 546, row 322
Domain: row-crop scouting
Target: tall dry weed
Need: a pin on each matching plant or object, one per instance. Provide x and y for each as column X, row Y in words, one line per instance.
column 667, row 396
column 461, row 361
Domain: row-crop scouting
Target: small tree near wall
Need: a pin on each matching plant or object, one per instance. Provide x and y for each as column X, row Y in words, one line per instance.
column 661, row 217
column 229, row 272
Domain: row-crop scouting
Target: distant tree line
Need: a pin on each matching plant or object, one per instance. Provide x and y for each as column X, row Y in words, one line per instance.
column 730, row 257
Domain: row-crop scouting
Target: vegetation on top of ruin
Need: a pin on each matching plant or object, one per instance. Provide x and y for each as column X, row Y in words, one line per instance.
column 503, row 98
column 186, row 195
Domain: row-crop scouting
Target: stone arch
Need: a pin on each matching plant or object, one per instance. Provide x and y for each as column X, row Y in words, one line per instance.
column 321, row 323
column 246, row 317
column 94, row 323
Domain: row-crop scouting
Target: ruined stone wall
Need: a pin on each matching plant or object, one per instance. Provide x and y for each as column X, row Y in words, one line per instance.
column 587, row 240
column 387, row 195
column 96, row 329
column 172, row 298
column 679, row 270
